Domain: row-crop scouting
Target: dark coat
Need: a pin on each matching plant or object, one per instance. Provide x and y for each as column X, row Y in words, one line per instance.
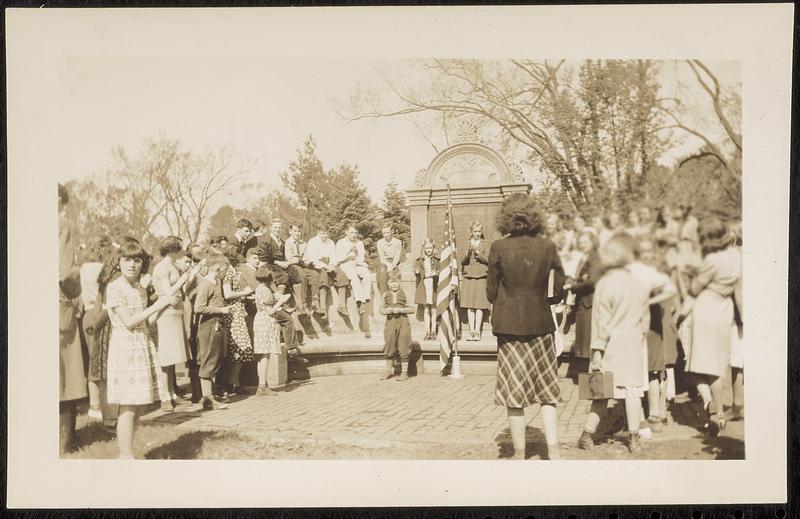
column 519, row 267
column 589, row 272
column 270, row 251
column 242, row 247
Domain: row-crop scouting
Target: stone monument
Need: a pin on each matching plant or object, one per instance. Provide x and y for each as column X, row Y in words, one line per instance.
column 479, row 180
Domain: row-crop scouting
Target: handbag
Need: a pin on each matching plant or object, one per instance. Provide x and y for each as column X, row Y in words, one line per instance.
column 596, row 385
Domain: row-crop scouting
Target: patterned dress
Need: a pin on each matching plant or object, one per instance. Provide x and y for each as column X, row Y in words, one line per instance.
column 239, row 349
column 133, row 367
column 266, row 331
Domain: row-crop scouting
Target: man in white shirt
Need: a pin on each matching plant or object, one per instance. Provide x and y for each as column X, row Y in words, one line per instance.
column 352, row 259
column 320, row 257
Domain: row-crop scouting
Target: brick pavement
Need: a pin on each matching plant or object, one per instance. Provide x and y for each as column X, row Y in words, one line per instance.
column 363, row 410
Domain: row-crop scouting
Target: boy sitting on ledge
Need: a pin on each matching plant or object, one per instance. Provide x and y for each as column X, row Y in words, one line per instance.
column 397, row 333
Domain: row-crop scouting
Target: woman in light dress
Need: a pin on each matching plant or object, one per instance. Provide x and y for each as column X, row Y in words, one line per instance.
column 713, row 286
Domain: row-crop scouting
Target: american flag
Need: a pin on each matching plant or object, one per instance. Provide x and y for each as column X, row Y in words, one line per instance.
column 445, row 295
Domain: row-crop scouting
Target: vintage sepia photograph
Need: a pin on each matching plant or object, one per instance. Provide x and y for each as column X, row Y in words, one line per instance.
column 354, row 264
column 552, row 270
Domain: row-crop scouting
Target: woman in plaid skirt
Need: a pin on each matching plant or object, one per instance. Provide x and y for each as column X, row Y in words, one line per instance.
column 517, row 286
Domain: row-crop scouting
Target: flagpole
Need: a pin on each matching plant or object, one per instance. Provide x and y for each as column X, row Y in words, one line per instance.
column 455, row 370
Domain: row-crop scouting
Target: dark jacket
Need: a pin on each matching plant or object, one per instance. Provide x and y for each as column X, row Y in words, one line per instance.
column 589, row 272
column 519, row 267
column 242, row 247
column 270, row 251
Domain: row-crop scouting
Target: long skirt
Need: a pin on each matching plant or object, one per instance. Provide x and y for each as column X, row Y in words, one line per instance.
column 583, row 332
column 527, row 371
column 98, row 349
column 472, row 294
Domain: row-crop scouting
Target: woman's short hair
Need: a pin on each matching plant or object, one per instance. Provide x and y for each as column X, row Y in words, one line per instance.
column 713, row 235
column 244, row 223
column 616, row 252
column 233, row 255
column 217, row 260
column 426, row 242
column 216, row 240
column 393, row 275
column 264, row 275
column 169, row 245
column 520, row 215
column 735, row 232
column 134, row 250
column 475, row 224
column 633, row 243
column 590, row 233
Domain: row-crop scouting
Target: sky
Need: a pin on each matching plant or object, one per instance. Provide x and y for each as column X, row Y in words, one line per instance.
column 265, row 108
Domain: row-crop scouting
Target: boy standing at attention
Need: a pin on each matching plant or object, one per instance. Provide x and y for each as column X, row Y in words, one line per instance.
column 397, row 331
column 209, row 307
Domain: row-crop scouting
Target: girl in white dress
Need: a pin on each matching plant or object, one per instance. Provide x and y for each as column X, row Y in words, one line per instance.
column 133, row 367
column 266, row 330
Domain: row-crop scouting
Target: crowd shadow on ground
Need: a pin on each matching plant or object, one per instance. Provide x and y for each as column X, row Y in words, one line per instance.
column 185, row 447
column 723, row 447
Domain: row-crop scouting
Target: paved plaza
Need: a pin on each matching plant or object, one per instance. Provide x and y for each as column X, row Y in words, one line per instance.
column 361, row 410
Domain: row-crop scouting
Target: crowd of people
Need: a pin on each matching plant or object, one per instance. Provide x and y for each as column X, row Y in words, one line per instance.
column 128, row 320
column 639, row 295
column 643, row 295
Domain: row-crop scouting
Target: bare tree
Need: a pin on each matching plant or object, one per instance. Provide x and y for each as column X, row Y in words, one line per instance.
column 538, row 105
column 162, row 189
column 727, row 150
column 191, row 184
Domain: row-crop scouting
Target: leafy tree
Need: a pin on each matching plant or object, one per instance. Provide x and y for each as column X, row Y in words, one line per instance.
column 350, row 204
column 222, row 222
column 310, row 183
column 595, row 133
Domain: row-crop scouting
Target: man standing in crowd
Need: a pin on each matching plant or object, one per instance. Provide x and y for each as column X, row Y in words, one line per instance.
column 319, row 255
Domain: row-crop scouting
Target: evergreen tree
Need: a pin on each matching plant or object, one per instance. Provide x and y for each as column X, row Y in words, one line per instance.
column 395, row 212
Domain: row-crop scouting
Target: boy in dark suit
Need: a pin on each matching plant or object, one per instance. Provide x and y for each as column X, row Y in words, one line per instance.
column 397, row 331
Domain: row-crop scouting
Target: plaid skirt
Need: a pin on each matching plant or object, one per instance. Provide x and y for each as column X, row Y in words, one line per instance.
column 527, row 371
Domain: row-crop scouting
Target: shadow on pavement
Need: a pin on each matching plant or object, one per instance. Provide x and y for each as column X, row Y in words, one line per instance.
column 186, row 446
column 724, row 447
column 535, row 444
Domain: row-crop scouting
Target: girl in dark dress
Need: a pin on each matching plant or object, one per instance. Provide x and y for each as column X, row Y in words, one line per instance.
column 588, row 273
column 474, row 269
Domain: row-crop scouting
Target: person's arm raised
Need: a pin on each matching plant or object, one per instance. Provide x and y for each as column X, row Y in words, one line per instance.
column 131, row 320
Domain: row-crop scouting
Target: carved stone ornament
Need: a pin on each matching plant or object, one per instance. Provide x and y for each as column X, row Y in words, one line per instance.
column 467, row 165
column 516, row 171
column 466, row 131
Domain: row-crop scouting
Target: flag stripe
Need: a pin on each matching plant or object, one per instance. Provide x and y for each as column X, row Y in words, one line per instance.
column 445, row 300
